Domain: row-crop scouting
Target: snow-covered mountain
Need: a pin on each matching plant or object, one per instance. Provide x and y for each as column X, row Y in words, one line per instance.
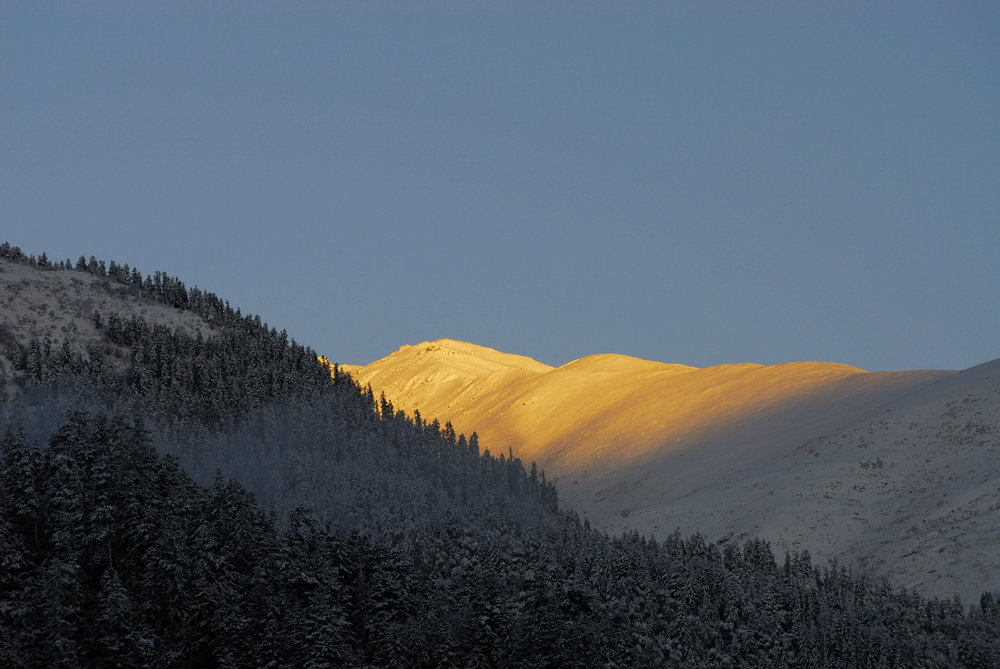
column 374, row 527
column 894, row 472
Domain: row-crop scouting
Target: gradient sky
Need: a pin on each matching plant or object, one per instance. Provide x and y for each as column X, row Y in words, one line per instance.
column 689, row 183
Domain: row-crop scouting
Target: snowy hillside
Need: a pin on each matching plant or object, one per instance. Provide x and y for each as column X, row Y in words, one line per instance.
column 60, row 306
column 354, row 535
column 911, row 491
column 893, row 472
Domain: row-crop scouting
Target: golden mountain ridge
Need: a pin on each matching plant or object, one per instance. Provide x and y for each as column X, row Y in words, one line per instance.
column 599, row 406
column 890, row 472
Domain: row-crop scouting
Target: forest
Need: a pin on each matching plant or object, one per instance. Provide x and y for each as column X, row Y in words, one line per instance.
column 234, row 500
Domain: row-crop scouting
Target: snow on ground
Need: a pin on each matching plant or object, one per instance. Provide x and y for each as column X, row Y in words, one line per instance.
column 895, row 473
column 911, row 491
column 37, row 303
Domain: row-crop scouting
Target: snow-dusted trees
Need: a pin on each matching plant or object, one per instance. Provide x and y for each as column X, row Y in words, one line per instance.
column 112, row 554
column 419, row 547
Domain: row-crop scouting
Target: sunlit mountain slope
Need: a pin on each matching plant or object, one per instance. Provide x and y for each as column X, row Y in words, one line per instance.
column 785, row 452
column 590, row 410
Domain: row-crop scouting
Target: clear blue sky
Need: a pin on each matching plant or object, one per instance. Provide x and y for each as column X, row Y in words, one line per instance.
column 686, row 183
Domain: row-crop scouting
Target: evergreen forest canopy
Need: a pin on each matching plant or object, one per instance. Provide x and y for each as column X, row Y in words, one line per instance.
column 178, row 500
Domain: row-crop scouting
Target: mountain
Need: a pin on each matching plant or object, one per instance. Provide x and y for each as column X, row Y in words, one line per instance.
column 890, row 471
column 183, row 485
column 225, row 392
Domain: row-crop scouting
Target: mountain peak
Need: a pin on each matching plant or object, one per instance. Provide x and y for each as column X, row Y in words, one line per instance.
column 458, row 357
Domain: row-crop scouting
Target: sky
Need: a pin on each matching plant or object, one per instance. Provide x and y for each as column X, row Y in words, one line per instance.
column 699, row 183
